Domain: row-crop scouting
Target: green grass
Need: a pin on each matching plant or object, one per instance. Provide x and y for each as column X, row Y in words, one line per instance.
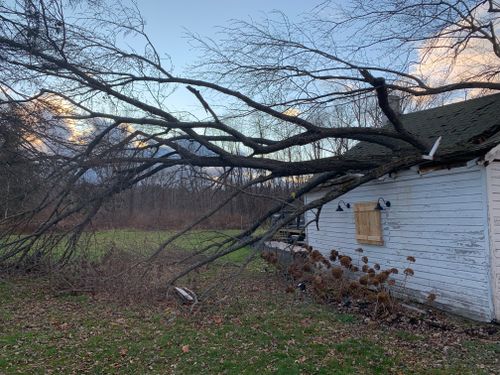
column 146, row 242
column 75, row 335
column 95, row 245
column 407, row 336
column 266, row 332
column 255, row 328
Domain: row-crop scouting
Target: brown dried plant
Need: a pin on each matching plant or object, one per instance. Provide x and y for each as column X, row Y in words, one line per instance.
column 431, row 298
column 337, row 272
column 346, row 261
column 343, row 282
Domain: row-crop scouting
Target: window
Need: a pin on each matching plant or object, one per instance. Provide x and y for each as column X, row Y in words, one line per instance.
column 368, row 223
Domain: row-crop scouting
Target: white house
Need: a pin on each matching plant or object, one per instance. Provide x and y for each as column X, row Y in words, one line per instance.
column 446, row 214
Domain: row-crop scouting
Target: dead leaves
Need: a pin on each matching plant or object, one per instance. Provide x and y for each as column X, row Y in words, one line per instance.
column 301, row 359
column 306, row 322
column 217, row 319
column 119, row 322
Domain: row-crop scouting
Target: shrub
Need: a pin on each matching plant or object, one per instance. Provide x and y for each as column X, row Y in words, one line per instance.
column 345, row 282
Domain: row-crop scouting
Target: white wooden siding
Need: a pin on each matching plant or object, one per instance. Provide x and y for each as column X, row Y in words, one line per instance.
column 493, row 177
column 440, row 218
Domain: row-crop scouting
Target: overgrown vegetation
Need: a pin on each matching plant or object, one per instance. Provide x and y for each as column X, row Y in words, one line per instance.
column 348, row 282
column 119, row 264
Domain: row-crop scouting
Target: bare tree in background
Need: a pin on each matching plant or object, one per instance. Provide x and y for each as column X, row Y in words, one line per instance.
column 271, row 91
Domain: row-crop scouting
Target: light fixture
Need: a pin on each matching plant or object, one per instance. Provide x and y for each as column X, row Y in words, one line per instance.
column 346, row 205
column 379, row 206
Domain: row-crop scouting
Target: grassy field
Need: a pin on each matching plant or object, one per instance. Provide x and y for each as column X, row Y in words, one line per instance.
column 252, row 327
column 147, row 241
column 96, row 244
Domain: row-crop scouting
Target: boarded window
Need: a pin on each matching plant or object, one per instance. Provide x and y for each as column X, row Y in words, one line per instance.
column 368, row 223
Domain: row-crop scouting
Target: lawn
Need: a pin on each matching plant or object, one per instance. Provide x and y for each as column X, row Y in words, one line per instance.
column 252, row 327
column 148, row 241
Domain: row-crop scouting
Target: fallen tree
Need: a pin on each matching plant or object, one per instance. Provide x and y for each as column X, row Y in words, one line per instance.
column 96, row 118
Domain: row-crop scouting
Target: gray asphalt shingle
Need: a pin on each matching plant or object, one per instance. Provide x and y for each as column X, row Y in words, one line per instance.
column 471, row 126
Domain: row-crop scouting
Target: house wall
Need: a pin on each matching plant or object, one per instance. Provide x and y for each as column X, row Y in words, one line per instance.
column 493, row 178
column 440, row 218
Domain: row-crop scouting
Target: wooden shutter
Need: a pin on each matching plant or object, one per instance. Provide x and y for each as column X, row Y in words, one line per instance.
column 368, row 223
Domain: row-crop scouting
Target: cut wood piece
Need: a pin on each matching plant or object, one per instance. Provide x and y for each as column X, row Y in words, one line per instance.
column 186, row 295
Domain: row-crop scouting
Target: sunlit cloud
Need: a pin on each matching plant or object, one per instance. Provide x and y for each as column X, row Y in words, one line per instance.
column 294, row 112
column 49, row 126
column 136, row 141
column 64, row 110
column 440, row 62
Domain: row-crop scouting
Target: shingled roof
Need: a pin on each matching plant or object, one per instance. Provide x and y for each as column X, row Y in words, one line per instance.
column 471, row 127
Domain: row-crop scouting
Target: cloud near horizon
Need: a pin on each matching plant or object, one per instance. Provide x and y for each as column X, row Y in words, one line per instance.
column 441, row 62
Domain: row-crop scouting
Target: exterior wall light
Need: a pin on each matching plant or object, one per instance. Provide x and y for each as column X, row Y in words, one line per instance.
column 379, row 206
column 346, row 205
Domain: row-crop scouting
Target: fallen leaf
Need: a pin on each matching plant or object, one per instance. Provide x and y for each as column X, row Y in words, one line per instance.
column 305, row 322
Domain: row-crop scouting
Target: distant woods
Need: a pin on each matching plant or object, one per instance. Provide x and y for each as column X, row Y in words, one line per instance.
column 170, row 200
column 153, row 206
